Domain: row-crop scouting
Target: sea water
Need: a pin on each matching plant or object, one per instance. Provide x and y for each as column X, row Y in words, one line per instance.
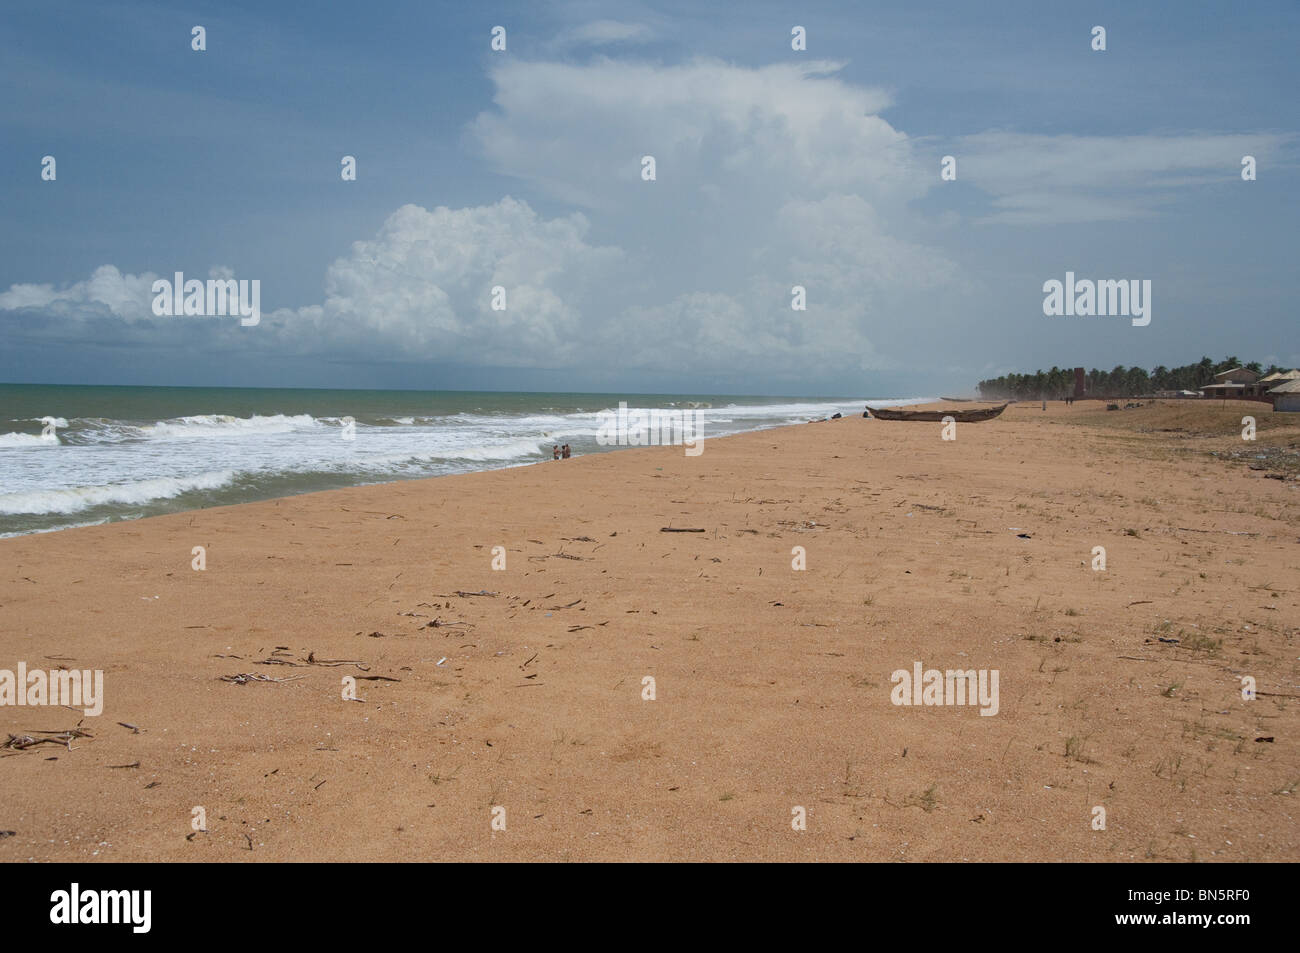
column 75, row 456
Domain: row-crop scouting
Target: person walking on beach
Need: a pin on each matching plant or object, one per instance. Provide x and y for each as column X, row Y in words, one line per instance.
column 555, row 452
column 565, row 452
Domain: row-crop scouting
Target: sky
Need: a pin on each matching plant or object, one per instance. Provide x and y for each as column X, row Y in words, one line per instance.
column 522, row 169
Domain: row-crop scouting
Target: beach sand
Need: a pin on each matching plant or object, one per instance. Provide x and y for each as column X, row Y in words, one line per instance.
column 772, row 686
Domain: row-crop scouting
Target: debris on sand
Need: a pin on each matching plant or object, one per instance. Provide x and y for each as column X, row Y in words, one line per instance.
column 65, row 737
column 243, row 678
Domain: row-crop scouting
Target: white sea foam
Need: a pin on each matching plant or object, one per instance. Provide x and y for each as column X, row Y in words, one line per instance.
column 124, row 468
column 28, row 440
column 223, row 425
column 510, row 450
column 75, row 499
column 56, row 421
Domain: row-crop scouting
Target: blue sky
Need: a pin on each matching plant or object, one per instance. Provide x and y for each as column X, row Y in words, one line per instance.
column 521, row 168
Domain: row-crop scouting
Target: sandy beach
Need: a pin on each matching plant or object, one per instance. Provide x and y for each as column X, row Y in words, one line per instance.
column 523, row 689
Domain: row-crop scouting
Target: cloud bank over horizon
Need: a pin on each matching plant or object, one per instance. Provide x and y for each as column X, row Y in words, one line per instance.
column 766, row 178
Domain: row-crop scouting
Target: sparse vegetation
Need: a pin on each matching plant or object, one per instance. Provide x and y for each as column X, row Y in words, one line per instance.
column 1200, row 643
column 1074, row 750
column 927, row 800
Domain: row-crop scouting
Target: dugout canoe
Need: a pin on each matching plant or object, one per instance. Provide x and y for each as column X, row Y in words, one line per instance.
column 961, row 416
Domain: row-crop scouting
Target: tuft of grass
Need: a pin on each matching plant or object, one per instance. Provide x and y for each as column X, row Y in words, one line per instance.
column 1200, row 642
column 1169, row 692
column 1170, row 769
column 1133, row 533
column 1074, row 750
column 927, row 800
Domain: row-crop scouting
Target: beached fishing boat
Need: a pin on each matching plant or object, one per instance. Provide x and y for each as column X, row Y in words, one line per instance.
column 961, row 416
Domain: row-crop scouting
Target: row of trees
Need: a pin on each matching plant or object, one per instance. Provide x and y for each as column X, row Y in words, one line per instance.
column 1123, row 381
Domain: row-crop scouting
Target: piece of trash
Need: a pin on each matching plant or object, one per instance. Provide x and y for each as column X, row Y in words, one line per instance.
column 1023, row 536
column 441, row 660
column 1162, row 639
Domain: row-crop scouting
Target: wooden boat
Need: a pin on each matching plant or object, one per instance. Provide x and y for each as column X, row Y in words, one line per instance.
column 961, row 416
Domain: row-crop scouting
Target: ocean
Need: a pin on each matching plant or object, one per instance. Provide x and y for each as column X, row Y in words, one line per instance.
column 78, row 456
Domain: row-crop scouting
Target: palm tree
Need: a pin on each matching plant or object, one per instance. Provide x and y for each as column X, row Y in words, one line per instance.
column 1136, row 382
column 1204, row 372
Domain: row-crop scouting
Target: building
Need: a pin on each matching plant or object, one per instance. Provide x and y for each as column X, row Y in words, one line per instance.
column 1238, row 383
column 1280, row 377
column 1286, row 396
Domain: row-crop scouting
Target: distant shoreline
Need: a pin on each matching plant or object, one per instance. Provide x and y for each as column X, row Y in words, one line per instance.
column 77, row 456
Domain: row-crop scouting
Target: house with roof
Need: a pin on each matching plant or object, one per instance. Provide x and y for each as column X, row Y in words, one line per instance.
column 1286, row 396
column 1237, row 383
column 1278, row 377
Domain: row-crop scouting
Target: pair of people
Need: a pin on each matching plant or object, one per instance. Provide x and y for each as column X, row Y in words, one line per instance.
column 558, row 453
